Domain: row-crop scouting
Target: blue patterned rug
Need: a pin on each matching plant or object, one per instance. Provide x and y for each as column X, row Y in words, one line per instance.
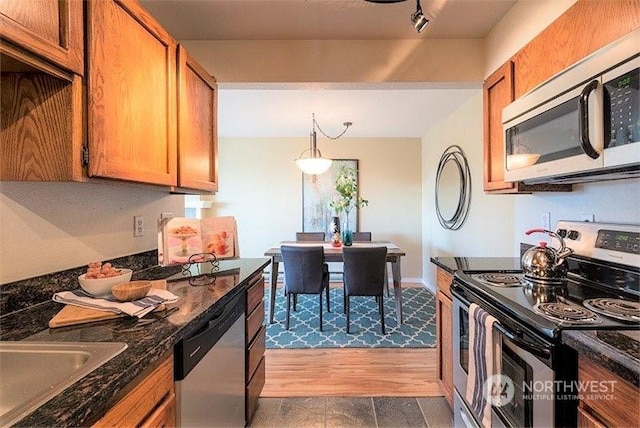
column 417, row 331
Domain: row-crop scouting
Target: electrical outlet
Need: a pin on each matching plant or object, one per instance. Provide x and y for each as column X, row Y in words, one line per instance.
column 138, row 226
column 545, row 221
column 587, row 217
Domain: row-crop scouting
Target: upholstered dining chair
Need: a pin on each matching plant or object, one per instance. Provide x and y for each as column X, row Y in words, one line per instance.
column 366, row 236
column 364, row 276
column 305, row 272
column 357, row 237
column 309, row 236
column 361, row 236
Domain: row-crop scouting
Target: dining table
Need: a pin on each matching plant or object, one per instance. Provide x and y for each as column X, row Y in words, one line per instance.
column 334, row 254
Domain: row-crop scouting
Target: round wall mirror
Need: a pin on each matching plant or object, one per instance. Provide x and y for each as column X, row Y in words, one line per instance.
column 453, row 188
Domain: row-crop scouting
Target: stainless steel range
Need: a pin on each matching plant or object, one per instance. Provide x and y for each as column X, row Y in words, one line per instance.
column 601, row 291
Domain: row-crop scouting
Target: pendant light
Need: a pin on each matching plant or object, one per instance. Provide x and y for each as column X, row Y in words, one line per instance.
column 311, row 161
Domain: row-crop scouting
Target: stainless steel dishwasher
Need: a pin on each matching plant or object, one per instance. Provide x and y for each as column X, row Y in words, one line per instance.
column 209, row 371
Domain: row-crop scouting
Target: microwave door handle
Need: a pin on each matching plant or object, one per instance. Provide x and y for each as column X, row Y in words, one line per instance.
column 529, row 347
column 583, row 112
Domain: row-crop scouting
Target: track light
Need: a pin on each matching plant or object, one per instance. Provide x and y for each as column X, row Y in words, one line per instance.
column 418, row 19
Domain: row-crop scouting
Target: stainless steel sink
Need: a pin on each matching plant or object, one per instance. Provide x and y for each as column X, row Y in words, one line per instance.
column 32, row 373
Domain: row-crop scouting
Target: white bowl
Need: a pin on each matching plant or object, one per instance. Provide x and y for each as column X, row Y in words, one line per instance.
column 521, row 160
column 100, row 287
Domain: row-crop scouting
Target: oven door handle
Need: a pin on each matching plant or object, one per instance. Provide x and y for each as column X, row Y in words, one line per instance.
column 533, row 349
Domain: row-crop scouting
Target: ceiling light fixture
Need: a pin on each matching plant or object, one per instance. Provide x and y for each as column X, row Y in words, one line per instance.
column 418, row 19
column 314, row 163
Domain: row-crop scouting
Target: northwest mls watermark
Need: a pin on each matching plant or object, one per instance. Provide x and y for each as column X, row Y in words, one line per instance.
column 500, row 390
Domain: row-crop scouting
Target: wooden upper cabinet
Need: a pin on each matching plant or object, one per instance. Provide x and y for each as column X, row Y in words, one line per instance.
column 497, row 93
column 41, row 123
column 583, row 29
column 197, row 125
column 131, row 94
column 50, row 29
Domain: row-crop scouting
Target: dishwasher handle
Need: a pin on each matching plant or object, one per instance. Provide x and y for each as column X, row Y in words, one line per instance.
column 190, row 350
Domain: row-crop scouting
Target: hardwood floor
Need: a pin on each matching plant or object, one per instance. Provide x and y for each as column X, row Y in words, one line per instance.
column 351, row 372
column 354, row 372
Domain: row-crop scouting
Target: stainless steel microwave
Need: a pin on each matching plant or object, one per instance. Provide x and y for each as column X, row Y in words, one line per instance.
column 581, row 125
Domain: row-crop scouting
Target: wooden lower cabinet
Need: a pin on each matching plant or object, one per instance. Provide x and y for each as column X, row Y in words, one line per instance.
column 256, row 334
column 164, row 415
column 612, row 401
column 444, row 334
column 152, row 402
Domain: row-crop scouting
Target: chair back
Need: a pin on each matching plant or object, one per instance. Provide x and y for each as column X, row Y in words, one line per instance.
column 309, row 236
column 364, row 269
column 361, row 236
column 303, row 269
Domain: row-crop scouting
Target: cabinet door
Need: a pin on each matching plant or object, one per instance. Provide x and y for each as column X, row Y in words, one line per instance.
column 164, row 416
column 131, row 94
column 498, row 92
column 197, row 125
column 51, row 29
column 152, row 397
column 575, row 34
column 444, row 328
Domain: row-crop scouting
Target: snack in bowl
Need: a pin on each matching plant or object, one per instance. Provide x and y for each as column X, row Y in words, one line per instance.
column 129, row 291
column 100, row 278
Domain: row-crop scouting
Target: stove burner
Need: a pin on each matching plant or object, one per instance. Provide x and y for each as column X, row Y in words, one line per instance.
column 545, row 282
column 500, row 279
column 625, row 310
column 566, row 313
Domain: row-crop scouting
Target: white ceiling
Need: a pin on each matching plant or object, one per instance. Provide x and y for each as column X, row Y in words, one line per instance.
column 281, row 110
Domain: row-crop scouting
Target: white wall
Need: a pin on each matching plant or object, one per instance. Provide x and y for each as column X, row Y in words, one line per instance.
column 261, row 185
column 609, row 201
column 488, row 230
column 48, row 227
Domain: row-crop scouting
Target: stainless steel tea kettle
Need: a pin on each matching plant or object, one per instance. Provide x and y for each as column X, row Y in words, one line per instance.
column 543, row 262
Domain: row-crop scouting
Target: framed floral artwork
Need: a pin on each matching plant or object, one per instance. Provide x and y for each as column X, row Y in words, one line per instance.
column 318, row 191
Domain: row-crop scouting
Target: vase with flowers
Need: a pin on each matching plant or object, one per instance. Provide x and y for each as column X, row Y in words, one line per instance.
column 346, row 185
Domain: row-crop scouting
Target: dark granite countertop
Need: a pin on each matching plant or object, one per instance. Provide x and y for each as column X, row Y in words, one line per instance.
column 87, row 400
column 618, row 351
column 478, row 264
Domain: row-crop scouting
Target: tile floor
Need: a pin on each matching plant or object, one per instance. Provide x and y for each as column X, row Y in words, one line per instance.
column 365, row 412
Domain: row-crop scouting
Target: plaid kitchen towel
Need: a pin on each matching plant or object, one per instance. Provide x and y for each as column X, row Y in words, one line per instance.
column 480, row 362
column 135, row 308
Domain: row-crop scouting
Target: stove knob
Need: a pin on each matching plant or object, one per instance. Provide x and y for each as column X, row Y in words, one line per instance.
column 573, row 235
column 562, row 232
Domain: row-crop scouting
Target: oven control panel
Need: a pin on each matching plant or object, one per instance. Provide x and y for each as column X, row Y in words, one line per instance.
column 617, row 243
column 616, row 240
